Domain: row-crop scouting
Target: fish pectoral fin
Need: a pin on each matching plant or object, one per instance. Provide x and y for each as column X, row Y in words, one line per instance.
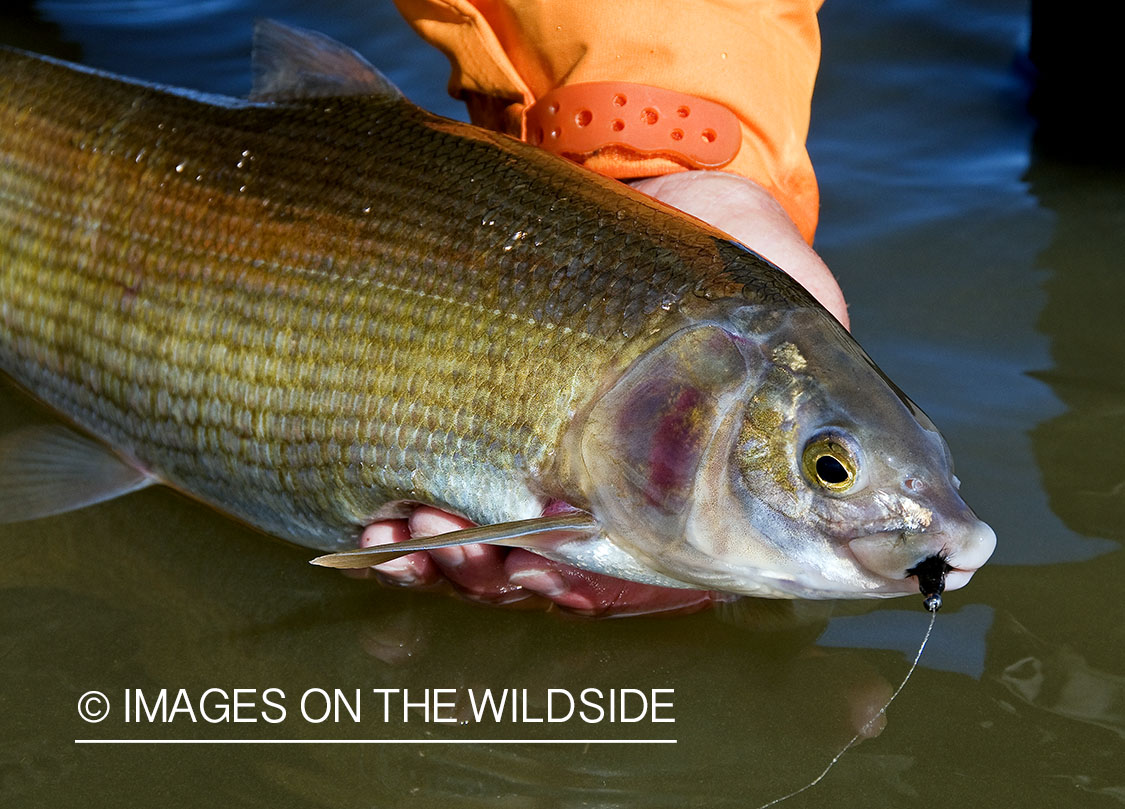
column 540, row 531
column 51, row 469
column 289, row 64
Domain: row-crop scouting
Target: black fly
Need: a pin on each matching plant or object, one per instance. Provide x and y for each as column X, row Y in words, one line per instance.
column 931, row 580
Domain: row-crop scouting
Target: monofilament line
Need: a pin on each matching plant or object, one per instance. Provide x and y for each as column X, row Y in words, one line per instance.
column 868, row 724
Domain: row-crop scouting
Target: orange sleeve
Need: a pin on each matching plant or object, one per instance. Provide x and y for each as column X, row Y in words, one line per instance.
column 758, row 58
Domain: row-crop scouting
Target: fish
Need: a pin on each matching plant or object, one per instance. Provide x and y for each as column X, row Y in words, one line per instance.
column 322, row 306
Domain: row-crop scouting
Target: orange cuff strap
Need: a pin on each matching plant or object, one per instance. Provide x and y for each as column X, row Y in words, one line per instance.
column 580, row 119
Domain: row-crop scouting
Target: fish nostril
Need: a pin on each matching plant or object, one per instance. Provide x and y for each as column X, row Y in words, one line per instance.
column 931, row 579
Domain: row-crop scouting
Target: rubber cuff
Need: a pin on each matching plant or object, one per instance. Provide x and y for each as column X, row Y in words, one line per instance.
column 580, row 119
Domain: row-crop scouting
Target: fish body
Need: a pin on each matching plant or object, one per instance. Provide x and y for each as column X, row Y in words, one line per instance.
column 318, row 308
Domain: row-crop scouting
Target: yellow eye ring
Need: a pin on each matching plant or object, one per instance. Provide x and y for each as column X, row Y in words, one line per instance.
column 829, row 464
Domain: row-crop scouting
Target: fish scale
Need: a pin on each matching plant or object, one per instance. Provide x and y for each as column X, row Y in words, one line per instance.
column 320, row 307
column 301, row 312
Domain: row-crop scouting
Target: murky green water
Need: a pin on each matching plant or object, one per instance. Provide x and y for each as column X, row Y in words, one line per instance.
column 986, row 279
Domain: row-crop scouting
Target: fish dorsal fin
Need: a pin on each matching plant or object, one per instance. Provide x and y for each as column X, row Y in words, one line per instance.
column 291, row 63
column 51, row 469
column 520, row 534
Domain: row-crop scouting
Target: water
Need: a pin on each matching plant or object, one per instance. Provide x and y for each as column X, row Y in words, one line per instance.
column 984, row 277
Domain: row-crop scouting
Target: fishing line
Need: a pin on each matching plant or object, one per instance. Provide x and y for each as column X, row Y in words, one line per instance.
column 871, row 721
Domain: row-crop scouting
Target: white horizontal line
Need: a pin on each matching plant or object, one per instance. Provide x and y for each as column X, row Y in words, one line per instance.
column 375, row 741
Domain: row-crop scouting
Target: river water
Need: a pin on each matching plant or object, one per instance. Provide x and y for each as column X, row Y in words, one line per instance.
column 983, row 275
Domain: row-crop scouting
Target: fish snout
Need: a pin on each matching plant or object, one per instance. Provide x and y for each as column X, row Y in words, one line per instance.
column 960, row 549
column 968, row 550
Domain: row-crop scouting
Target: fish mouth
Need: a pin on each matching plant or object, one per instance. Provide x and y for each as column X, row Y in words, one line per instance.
column 904, row 558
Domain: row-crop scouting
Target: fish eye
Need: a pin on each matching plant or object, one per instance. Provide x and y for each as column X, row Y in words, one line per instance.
column 829, row 463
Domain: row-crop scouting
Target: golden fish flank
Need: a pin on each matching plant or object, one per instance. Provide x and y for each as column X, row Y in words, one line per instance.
column 320, row 306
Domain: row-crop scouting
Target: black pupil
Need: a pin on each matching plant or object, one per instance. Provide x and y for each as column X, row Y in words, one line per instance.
column 831, row 470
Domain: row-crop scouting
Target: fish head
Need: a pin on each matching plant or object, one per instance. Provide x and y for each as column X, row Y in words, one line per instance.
column 764, row 453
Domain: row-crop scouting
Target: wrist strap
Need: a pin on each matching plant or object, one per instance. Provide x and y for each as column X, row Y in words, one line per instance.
column 580, row 119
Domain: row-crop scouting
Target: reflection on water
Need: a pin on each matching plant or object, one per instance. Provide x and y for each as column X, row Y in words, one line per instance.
column 1081, row 451
column 1058, row 680
column 203, row 618
column 983, row 278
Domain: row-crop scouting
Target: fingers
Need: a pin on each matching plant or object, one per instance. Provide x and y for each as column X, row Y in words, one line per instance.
column 477, row 571
column 412, row 570
column 494, row 575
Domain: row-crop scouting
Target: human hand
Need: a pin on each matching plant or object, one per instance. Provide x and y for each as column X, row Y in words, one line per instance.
column 512, row 576
column 495, row 575
column 746, row 211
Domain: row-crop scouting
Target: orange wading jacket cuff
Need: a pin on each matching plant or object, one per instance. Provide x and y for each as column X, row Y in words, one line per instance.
column 757, row 58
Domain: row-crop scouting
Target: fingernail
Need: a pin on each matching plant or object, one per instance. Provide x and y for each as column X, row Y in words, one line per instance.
column 453, row 556
column 398, row 571
column 544, row 582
